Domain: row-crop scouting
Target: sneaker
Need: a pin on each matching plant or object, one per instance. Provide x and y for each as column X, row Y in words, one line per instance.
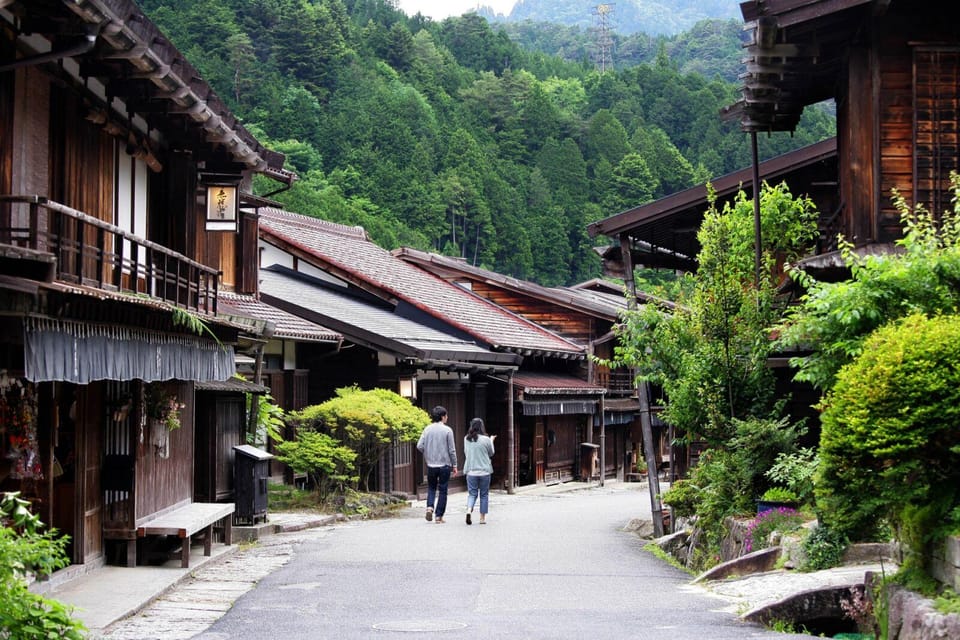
column 440, row 520
column 469, row 520
column 429, row 515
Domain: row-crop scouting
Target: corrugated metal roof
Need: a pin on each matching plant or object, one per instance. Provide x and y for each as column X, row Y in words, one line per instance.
column 554, row 383
column 365, row 322
column 288, row 326
column 349, row 251
column 235, row 385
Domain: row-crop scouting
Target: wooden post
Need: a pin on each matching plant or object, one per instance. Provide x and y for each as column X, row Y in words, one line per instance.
column 643, row 394
column 511, row 441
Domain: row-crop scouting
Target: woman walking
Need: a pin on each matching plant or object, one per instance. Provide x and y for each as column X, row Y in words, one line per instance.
column 478, row 452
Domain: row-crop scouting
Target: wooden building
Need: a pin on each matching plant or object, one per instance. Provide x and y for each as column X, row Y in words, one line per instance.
column 457, row 348
column 892, row 68
column 584, row 314
column 122, row 217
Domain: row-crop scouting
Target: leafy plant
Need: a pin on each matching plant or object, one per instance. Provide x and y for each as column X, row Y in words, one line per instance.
column 369, row 422
column 889, row 443
column 834, row 318
column 163, row 406
column 183, row 318
column 25, row 548
column 329, row 464
column 823, row 548
column 795, row 471
column 268, row 419
column 709, row 354
column 781, row 519
column 779, row 494
column 948, row 602
column 683, row 497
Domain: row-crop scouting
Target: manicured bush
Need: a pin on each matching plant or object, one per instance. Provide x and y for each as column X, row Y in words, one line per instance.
column 890, row 445
column 368, row 421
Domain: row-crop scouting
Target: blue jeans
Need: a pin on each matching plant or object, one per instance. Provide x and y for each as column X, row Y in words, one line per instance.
column 437, row 480
column 478, row 485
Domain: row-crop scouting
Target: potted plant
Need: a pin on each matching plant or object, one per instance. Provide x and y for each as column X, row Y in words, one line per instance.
column 642, row 466
column 776, row 497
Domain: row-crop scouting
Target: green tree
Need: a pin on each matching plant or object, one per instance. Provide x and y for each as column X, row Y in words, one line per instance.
column 369, row 422
column 709, row 354
column 834, row 318
column 330, row 466
column 631, row 184
column 664, row 159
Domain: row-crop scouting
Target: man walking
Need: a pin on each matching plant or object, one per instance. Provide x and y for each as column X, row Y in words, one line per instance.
column 440, row 454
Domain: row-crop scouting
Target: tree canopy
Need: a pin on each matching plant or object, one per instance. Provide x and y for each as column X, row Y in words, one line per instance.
column 453, row 137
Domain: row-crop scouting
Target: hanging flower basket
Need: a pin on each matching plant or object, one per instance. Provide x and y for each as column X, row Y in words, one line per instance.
column 163, row 407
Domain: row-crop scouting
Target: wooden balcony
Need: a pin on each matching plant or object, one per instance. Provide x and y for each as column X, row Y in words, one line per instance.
column 618, row 382
column 89, row 252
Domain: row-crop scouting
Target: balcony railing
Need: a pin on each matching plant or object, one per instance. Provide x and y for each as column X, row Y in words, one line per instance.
column 618, row 382
column 94, row 253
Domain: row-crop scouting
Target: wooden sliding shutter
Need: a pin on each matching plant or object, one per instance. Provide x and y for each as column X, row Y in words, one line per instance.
column 936, row 86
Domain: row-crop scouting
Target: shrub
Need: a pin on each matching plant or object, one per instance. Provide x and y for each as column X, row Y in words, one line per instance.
column 367, row 421
column 682, row 497
column 26, row 549
column 779, row 494
column 823, row 548
column 330, row 465
column 889, row 445
column 782, row 519
column 795, row 471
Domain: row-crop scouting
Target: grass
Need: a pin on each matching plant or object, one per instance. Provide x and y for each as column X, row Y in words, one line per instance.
column 653, row 548
column 283, row 497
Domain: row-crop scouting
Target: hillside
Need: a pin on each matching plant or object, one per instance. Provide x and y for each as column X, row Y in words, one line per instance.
column 452, row 137
column 625, row 17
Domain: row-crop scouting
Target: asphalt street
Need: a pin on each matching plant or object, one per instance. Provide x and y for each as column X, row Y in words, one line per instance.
column 544, row 566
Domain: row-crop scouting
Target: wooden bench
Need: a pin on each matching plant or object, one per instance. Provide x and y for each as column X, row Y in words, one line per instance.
column 185, row 521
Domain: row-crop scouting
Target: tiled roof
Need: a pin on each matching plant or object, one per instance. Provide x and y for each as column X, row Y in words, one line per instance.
column 348, row 250
column 571, row 299
column 288, row 326
column 367, row 323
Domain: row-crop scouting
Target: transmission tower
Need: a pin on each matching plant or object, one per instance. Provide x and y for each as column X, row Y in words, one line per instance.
column 604, row 39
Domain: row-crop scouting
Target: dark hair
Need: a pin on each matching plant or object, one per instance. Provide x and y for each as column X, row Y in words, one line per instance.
column 476, row 429
column 437, row 414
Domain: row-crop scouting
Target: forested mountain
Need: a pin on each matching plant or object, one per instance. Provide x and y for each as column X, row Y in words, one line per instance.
column 449, row 136
column 712, row 48
column 654, row 17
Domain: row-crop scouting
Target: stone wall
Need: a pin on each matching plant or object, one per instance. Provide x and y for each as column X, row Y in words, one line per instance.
column 912, row 617
column 945, row 565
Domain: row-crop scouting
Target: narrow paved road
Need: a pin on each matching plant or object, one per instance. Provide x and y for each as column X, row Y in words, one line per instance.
column 545, row 566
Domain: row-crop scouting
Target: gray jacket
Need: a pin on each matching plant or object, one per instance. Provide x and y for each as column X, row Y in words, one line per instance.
column 436, row 444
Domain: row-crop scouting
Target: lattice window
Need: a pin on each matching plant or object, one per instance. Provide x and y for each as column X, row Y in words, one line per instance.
column 936, row 99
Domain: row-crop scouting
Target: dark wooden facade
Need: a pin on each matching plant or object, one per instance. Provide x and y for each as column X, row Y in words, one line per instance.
column 102, row 237
column 550, row 437
column 892, row 67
